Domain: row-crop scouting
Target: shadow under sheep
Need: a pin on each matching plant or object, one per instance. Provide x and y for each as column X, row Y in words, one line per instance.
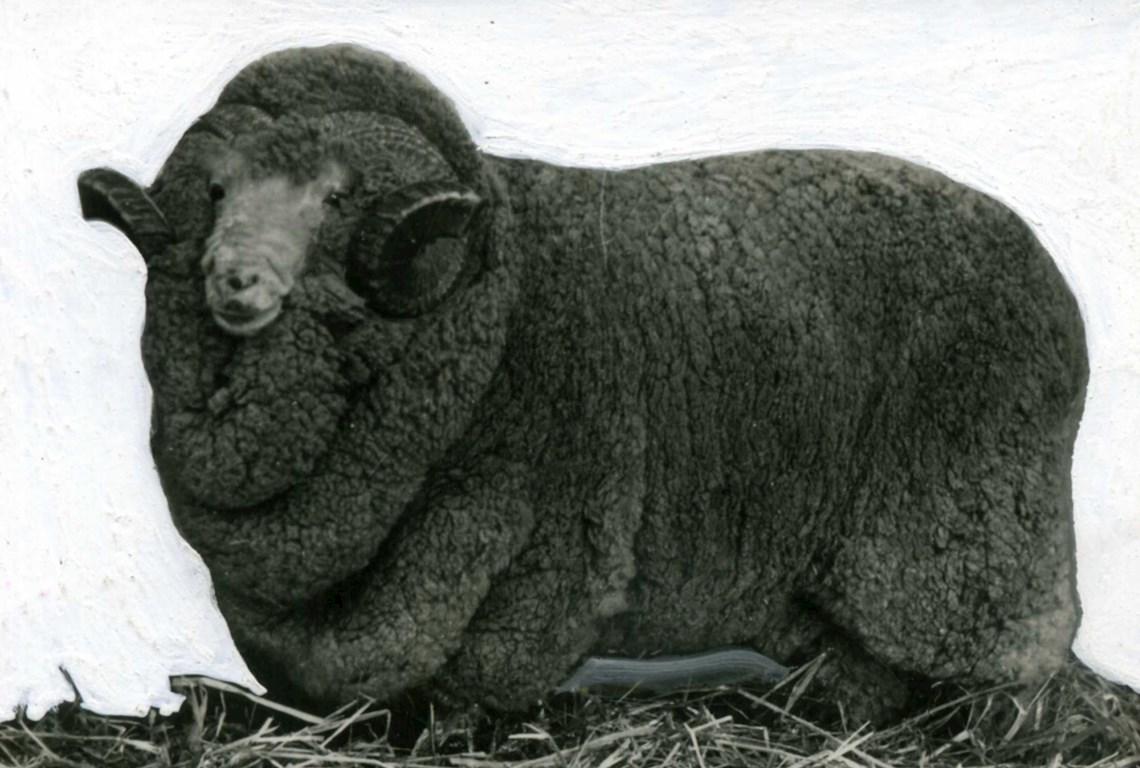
column 444, row 424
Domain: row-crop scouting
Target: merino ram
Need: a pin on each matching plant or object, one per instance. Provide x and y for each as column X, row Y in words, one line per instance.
column 451, row 423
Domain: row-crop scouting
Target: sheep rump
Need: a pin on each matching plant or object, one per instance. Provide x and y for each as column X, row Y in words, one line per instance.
column 791, row 400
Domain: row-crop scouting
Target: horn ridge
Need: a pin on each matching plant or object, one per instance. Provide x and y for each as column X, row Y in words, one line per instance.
column 107, row 195
column 411, row 249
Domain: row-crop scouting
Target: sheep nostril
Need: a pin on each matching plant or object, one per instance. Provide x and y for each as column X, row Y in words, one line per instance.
column 238, row 282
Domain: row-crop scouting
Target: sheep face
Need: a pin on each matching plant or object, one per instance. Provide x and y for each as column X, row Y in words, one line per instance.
column 264, row 229
column 359, row 197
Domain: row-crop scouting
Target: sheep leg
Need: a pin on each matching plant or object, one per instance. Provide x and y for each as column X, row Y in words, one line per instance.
column 410, row 612
column 546, row 611
column 507, row 661
column 982, row 589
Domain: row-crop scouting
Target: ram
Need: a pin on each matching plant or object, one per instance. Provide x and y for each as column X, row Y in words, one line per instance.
column 450, row 423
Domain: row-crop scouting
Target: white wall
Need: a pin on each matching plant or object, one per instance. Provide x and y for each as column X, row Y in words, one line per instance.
column 1037, row 105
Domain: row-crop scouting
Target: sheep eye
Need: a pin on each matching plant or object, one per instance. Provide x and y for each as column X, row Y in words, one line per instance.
column 217, row 191
column 334, row 199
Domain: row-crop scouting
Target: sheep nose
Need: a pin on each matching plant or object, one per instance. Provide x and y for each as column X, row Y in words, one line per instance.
column 239, row 281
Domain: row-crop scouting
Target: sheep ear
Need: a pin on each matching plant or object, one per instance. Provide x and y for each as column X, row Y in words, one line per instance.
column 107, row 195
column 411, row 248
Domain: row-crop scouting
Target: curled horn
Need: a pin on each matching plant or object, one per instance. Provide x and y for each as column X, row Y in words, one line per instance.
column 107, row 195
column 411, row 248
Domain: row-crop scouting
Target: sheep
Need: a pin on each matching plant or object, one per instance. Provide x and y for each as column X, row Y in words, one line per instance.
column 448, row 423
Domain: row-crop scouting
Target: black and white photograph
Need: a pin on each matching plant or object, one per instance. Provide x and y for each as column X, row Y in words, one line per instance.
column 455, row 384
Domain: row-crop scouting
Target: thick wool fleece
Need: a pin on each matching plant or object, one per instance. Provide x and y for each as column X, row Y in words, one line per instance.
column 790, row 400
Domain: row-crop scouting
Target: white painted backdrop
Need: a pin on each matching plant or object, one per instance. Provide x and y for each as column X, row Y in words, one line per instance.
column 1037, row 104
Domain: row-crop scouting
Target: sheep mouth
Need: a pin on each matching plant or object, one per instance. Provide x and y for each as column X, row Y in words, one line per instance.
column 245, row 322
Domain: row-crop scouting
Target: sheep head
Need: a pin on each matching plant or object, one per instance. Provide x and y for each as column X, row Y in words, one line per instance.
column 332, row 159
column 359, row 195
column 263, row 232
